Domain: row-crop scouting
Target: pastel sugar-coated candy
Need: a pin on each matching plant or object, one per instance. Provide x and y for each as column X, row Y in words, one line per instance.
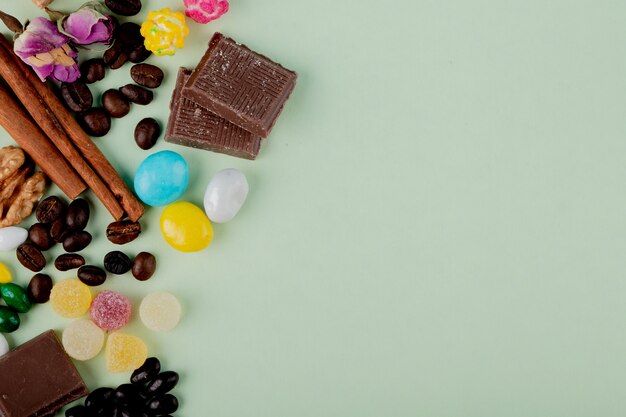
column 11, row 237
column 161, row 178
column 5, row 274
column 4, row 345
column 83, row 340
column 203, row 11
column 225, row 194
column 164, row 32
column 124, row 352
column 160, row 311
column 70, row 298
column 110, row 310
column 185, row 227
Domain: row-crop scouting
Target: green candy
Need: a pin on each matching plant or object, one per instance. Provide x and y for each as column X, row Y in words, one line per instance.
column 9, row 320
column 16, row 297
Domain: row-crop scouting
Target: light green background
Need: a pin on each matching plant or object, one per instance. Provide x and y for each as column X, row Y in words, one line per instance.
column 436, row 226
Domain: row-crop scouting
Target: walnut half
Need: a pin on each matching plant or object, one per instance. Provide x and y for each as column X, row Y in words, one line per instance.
column 20, row 186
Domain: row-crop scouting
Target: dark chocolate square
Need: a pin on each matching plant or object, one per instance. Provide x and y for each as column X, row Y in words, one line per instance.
column 191, row 125
column 38, row 378
column 240, row 85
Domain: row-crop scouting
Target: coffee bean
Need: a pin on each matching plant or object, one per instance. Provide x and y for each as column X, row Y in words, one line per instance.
column 124, row 7
column 163, row 404
column 147, row 75
column 39, row 288
column 165, row 382
column 119, row 60
column 147, row 132
column 92, row 275
column 136, row 94
column 139, row 54
column 146, row 372
column 77, row 96
column 77, row 215
column 49, row 209
column 93, row 70
column 69, row 261
column 112, row 54
column 144, row 266
column 123, row 231
column 129, row 35
column 117, row 262
column 30, row 257
column 77, row 241
column 59, row 230
column 115, row 103
column 39, row 235
column 95, row 121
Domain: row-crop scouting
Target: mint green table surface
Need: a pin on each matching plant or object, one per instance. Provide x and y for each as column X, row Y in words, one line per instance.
column 436, row 226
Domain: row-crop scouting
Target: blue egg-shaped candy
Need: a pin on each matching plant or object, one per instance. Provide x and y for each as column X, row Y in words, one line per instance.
column 162, row 178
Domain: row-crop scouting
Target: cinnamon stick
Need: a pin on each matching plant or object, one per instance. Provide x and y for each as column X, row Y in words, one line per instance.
column 26, row 134
column 134, row 209
column 17, row 78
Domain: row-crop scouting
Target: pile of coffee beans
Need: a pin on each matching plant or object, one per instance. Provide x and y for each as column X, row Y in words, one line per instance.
column 58, row 223
column 146, row 395
column 127, row 46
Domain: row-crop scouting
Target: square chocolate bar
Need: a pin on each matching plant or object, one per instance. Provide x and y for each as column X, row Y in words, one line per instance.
column 38, row 378
column 241, row 86
column 191, row 125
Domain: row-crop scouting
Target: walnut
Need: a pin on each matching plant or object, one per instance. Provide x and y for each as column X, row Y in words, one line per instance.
column 20, row 186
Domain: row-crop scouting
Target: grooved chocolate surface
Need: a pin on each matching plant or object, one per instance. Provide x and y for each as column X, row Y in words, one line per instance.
column 240, row 85
column 38, row 378
column 196, row 127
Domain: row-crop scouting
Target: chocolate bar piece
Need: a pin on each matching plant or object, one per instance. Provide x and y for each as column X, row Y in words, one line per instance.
column 38, row 378
column 243, row 87
column 197, row 127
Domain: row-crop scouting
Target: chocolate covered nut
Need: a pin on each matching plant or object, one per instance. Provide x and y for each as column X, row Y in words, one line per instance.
column 30, row 257
column 39, row 288
column 39, row 235
column 147, row 132
column 38, row 379
column 136, row 94
column 98, row 398
column 77, row 215
column 117, row 262
column 77, row 96
column 147, row 75
column 68, row 261
column 77, row 241
column 115, row 103
column 95, row 121
column 93, row 70
column 123, row 232
column 124, row 7
column 91, row 275
column 49, row 209
column 146, row 372
column 144, row 266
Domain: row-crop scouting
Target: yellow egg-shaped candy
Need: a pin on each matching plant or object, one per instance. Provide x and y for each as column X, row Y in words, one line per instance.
column 186, row 227
column 5, row 274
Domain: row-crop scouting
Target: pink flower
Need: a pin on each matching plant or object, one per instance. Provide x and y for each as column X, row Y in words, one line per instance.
column 203, row 11
column 87, row 26
column 44, row 48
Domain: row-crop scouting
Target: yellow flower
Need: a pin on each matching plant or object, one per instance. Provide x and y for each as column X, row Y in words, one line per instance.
column 164, row 32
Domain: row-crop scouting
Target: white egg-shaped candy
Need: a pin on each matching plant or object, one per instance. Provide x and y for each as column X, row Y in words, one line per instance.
column 11, row 237
column 225, row 194
column 4, row 345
